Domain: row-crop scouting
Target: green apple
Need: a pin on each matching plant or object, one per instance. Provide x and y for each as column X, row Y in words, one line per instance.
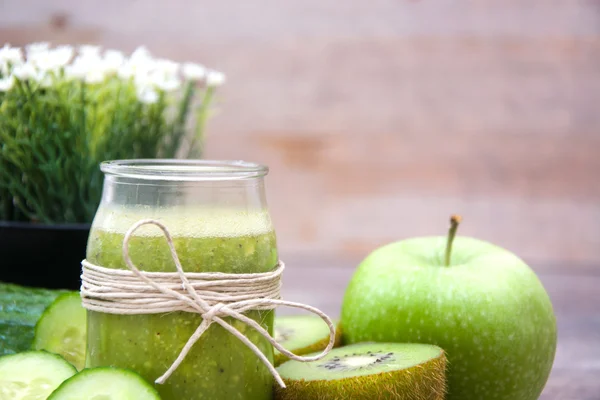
column 479, row 302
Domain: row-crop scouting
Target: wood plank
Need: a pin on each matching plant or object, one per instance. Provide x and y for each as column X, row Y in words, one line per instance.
column 262, row 19
column 378, row 121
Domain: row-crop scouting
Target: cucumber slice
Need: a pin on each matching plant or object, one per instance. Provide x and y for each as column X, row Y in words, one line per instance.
column 20, row 308
column 32, row 375
column 105, row 383
column 62, row 329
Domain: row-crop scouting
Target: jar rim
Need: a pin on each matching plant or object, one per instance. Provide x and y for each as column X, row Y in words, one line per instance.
column 188, row 170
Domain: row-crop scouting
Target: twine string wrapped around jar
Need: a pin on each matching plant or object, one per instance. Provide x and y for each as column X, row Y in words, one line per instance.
column 213, row 295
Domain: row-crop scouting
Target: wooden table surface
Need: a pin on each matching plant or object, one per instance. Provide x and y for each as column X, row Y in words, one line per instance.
column 574, row 294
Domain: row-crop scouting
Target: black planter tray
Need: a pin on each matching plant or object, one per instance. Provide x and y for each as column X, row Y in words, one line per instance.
column 42, row 255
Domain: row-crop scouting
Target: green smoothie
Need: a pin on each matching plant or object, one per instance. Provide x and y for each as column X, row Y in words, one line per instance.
column 219, row 366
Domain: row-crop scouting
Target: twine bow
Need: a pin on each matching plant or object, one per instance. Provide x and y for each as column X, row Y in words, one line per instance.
column 212, row 295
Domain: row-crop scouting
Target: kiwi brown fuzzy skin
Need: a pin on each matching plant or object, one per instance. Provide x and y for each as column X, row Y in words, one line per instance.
column 313, row 348
column 425, row 381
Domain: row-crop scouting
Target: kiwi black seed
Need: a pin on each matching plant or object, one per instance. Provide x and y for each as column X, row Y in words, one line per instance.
column 383, row 371
column 302, row 335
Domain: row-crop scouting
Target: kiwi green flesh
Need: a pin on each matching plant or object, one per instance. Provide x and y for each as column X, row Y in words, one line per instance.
column 414, row 372
column 301, row 335
column 361, row 359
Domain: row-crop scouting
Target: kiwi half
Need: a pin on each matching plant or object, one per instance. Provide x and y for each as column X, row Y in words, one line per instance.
column 399, row 371
column 302, row 335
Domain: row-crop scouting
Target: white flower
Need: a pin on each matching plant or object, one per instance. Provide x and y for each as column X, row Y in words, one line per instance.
column 88, row 50
column 29, row 71
column 7, row 83
column 10, row 55
column 193, row 71
column 25, row 71
column 62, row 55
column 95, row 75
column 147, row 95
column 215, row 78
column 137, row 70
column 166, row 84
column 164, row 75
column 75, row 72
column 167, row 67
column 169, row 85
column 142, row 79
column 126, row 71
column 35, row 48
column 140, row 55
column 52, row 59
column 78, row 68
column 39, row 58
column 89, row 67
column 44, row 79
column 113, row 60
column 138, row 65
column 6, row 68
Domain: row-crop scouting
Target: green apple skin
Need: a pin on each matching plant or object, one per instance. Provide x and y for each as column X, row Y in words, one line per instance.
column 487, row 310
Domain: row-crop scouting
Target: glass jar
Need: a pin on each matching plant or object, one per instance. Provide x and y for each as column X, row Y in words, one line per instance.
column 217, row 213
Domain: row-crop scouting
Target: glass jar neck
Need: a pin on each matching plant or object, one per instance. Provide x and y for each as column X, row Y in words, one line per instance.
column 198, row 197
column 246, row 193
column 184, row 183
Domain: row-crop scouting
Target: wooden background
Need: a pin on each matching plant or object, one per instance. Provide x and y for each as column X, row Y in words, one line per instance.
column 379, row 118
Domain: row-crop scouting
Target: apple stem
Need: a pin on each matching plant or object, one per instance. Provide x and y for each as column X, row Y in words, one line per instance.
column 454, row 222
